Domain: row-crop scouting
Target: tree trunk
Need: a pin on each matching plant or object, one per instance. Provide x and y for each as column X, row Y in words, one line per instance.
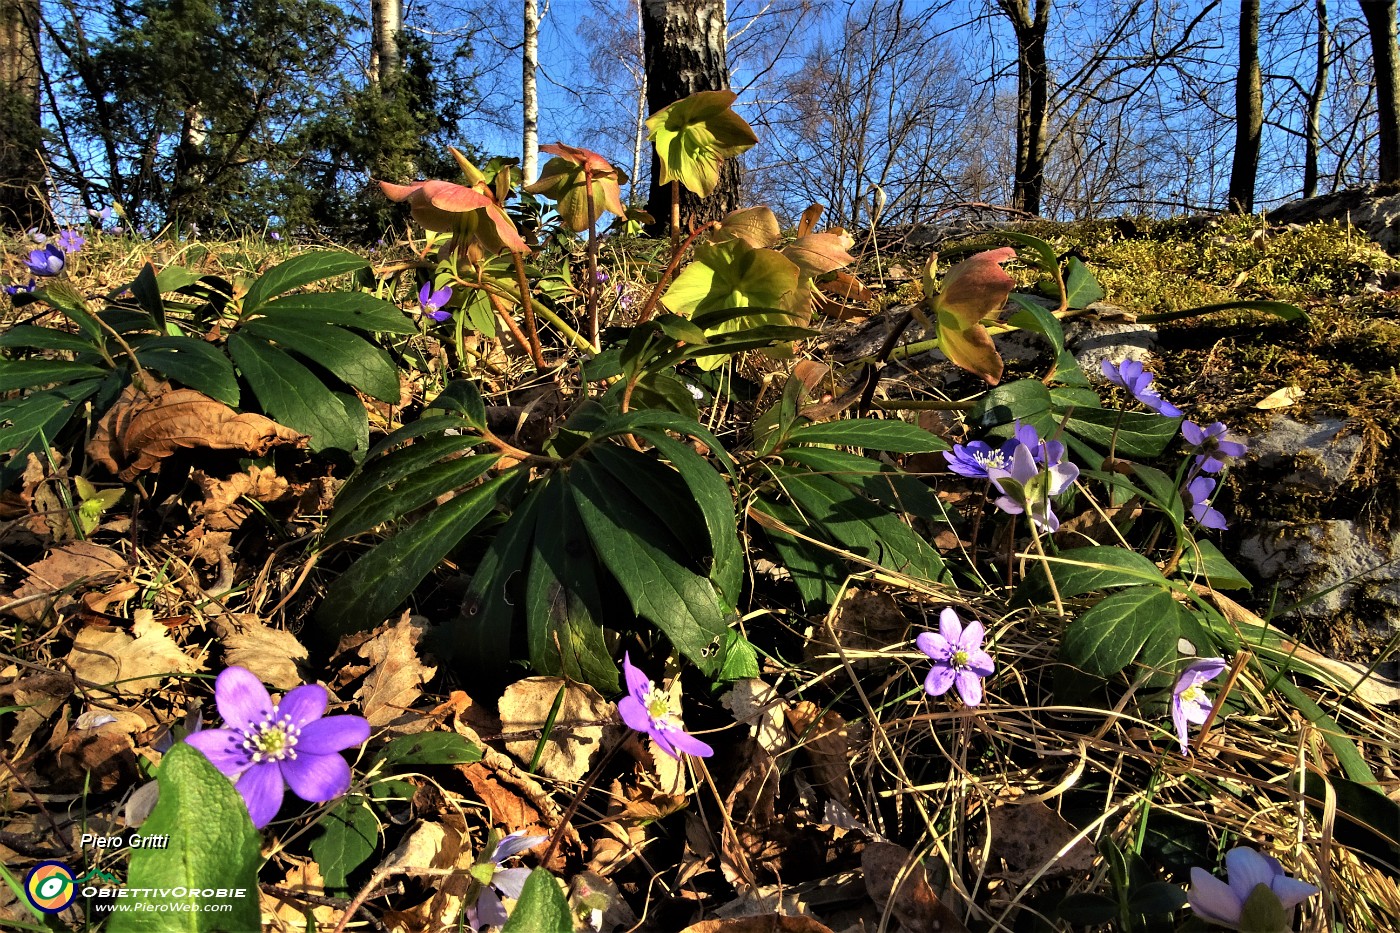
column 529, row 68
column 21, row 142
column 684, row 44
column 1032, row 100
column 1249, row 111
column 1380, row 20
column 639, row 138
column 386, row 63
column 1313, row 140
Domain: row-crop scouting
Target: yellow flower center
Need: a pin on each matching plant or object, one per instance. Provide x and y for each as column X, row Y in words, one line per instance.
column 1193, row 694
column 272, row 741
column 960, row 658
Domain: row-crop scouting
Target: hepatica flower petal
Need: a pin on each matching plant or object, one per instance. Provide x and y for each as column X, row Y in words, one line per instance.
column 1213, row 442
column 1199, row 493
column 47, row 261
column 433, row 302
column 1190, row 702
column 1223, row 904
column 647, row 709
column 265, row 747
column 1134, row 377
column 958, row 658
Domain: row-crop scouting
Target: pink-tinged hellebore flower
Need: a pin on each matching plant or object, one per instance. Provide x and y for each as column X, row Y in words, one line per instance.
column 647, row 708
column 47, row 261
column 1224, row 904
column 958, row 658
column 973, row 289
column 442, row 205
column 1190, row 702
column 1213, row 442
column 1130, row 375
column 497, row 881
column 1198, row 496
column 263, row 745
column 1026, row 486
column 434, row 301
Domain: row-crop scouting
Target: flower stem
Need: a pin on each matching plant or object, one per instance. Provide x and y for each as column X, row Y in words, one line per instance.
column 650, row 306
column 528, row 306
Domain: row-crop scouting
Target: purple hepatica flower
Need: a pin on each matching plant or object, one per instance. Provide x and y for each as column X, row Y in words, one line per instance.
column 13, row 290
column 47, row 261
column 34, row 234
column 1214, row 443
column 71, row 241
column 600, row 276
column 974, row 459
column 1130, row 375
column 497, row 881
column 648, row 709
column 263, row 745
column 958, row 658
column 1223, row 904
column 1198, row 495
column 433, row 301
column 1029, row 485
column 275, row 236
column 1190, row 703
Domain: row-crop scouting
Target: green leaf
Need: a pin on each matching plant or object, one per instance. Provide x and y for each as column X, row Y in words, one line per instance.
column 1035, row 318
column 64, row 295
column 740, row 658
column 378, row 582
column 1263, row 912
column 716, row 504
column 292, row 394
column 35, row 420
column 1280, row 309
column 428, row 748
column 871, row 434
column 657, row 390
column 563, row 609
column 349, row 835
column 197, row 364
column 851, row 469
column 1087, row 909
column 174, row 278
column 463, row 397
column 362, row 512
column 1026, row 399
column 146, row 289
column 211, row 845
column 382, row 469
column 1110, row 635
column 1156, row 897
column 45, row 338
column 352, row 358
column 816, row 571
column 1081, row 288
column 542, row 907
column 661, row 490
column 1369, row 821
column 636, row 547
column 1088, row 569
column 358, row 310
column 692, row 136
column 32, row 374
column 1202, row 558
column 298, row 271
column 1038, row 254
column 1139, row 435
column 735, row 275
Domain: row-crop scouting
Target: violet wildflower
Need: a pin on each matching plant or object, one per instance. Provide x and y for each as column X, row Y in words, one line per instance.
column 497, row 881
column 47, row 261
column 1027, row 485
column 1132, row 376
column 34, row 234
column 264, row 745
column 275, row 236
column 600, row 276
column 433, row 301
column 974, row 459
column 958, row 658
column 71, row 241
column 1190, row 702
column 1214, row 444
column 647, row 708
column 1241, row 905
column 16, row 288
column 1198, row 495
column 1042, row 451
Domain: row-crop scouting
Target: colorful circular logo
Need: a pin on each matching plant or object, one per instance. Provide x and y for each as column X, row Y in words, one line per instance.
column 50, row 886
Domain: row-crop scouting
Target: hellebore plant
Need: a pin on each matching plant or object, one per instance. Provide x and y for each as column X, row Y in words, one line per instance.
column 433, row 302
column 1130, row 375
column 1259, row 898
column 1190, row 702
column 1213, row 443
column 497, row 881
column 264, row 745
column 647, row 708
column 958, row 658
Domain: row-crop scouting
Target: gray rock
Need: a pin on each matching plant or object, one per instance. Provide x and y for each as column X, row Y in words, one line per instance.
column 1321, row 455
column 1094, row 340
column 1374, row 210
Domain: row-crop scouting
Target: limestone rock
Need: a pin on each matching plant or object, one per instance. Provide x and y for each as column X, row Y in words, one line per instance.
column 1321, row 455
column 1374, row 210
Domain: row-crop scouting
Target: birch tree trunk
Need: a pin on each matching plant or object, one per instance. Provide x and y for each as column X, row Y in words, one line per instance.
column 385, row 61
column 529, row 67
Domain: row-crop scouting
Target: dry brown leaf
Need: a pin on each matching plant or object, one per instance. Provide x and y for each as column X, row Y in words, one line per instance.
column 143, row 428
column 509, row 808
column 430, row 845
column 40, row 695
column 132, row 665
column 396, row 675
column 823, row 737
column 1029, row 838
column 844, row 285
column 288, row 914
column 101, row 757
column 78, row 562
column 577, row 737
column 756, row 704
column 221, row 508
column 772, row 923
column 273, row 654
column 914, row 904
column 1288, row 395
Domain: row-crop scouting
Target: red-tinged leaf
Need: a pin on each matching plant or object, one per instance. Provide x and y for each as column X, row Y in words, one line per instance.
column 819, row 253
column 970, row 348
column 976, row 287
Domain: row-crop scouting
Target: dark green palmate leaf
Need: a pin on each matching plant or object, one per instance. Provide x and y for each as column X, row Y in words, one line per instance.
column 298, row 271
column 635, row 544
column 293, row 395
column 192, row 362
column 428, row 748
column 358, row 310
column 816, row 571
column 32, row 374
column 28, row 424
column 349, row 835
column 563, row 610
column 377, row 583
column 347, row 355
column 422, row 481
column 542, row 907
column 871, row 434
column 1138, row 620
column 1085, row 570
